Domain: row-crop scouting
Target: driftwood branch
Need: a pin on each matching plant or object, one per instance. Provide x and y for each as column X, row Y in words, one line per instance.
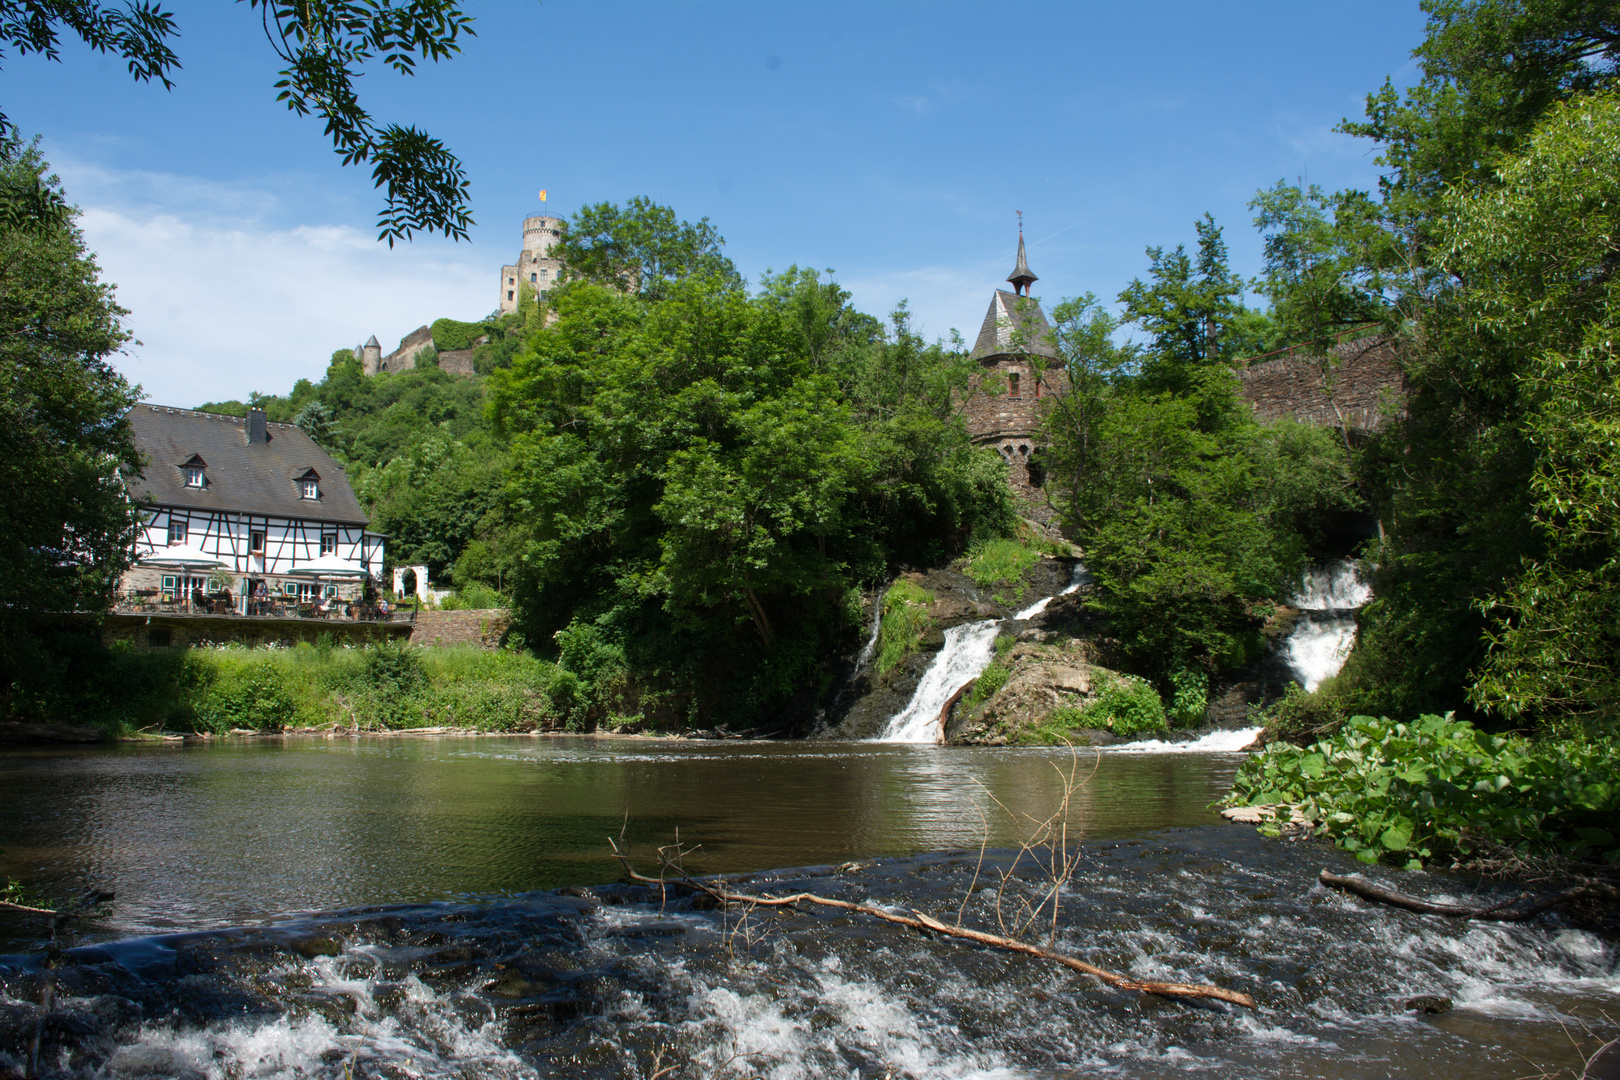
column 918, row 921
column 1516, row 909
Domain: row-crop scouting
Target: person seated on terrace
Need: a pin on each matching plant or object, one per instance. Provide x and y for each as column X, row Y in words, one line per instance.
column 261, row 599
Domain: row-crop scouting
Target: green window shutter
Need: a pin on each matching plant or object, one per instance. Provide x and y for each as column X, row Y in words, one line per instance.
column 168, row 582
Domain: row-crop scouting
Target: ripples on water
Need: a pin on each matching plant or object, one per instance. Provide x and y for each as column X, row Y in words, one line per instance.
column 607, row 982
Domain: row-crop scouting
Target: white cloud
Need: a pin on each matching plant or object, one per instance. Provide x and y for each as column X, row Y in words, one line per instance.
column 225, row 302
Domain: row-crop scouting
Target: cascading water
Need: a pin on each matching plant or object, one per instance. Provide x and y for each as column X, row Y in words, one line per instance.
column 626, row 982
column 1328, row 598
column 870, row 648
column 966, row 653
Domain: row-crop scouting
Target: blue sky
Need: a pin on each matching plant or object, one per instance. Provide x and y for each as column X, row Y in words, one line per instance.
column 889, row 141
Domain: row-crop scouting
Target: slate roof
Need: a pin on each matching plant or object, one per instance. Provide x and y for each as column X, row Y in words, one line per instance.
column 1013, row 317
column 241, row 478
column 1021, row 274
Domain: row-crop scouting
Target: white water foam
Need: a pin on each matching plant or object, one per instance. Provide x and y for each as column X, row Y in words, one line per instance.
column 870, row 648
column 1231, row 741
column 1079, row 577
column 1328, row 594
column 1318, row 646
column 967, row 652
column 1334, row 586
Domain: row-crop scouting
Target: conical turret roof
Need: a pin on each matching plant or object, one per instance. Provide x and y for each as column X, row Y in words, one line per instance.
column 1014, row 326
column 1021, row 278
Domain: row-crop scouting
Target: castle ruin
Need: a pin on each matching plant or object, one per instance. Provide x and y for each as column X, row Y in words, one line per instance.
column 534, row 267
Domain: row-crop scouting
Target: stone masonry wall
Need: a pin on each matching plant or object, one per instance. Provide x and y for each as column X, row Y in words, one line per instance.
column 483, row 628
column 1361, row 387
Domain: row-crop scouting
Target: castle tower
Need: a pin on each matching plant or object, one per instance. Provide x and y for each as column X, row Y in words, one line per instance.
column 370, row 356
column 535, row 266
column 1019, row 370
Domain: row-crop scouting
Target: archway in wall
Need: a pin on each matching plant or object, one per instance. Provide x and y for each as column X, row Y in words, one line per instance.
column 407, row 582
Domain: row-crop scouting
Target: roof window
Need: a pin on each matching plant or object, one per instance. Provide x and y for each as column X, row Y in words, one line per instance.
column 309, row 484
column 194, row 472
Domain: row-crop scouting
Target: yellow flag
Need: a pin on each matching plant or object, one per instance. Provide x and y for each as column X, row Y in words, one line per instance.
column 542, row 194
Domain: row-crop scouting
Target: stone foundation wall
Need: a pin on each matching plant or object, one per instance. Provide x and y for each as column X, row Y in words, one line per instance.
column 483, row 628
column 1359, row 385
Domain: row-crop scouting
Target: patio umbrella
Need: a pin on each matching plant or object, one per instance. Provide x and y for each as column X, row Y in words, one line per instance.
column 329, row 568
column 181, row 557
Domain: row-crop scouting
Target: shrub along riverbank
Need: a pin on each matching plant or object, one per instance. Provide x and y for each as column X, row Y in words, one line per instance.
column 1442, row 791
column 373, row 688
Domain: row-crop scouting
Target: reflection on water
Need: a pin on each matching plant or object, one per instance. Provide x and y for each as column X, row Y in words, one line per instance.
column 227, row 832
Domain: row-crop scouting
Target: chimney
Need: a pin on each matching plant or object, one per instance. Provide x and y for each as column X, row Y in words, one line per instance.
column 257, row 430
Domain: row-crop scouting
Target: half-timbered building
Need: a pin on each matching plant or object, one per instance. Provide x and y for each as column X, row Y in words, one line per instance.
column 261, row 501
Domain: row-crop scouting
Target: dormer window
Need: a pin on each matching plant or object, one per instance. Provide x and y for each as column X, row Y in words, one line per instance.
column 195, row 472
column 309, row 485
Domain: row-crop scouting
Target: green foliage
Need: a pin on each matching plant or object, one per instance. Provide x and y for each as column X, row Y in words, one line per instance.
column 1536, row 256
column 987, row 685
column 701, row 476
column 1124, row 705
column 238, row 693
column 1190, row 531
column 904, row 620
column 1000, row 561
column 1324, row 262
column 1438, row 789
column 325, row 46
column 1189, row 698
column 641, row 248
column 67, row 528
column 452, row 336
column 1187, row 309
column 474, row 597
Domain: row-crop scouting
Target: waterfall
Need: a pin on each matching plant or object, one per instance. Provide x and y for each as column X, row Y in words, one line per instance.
column 1328, row 597
column 967, row 652
column 870, row 648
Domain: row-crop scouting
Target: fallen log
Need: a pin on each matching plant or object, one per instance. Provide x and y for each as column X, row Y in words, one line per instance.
column 1520, row 908
column 918, row 921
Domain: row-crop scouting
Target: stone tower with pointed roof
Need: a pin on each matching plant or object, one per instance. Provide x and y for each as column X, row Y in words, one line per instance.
column 1019, row 373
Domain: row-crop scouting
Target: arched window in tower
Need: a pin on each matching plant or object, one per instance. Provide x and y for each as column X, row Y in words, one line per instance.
column 1012, row 384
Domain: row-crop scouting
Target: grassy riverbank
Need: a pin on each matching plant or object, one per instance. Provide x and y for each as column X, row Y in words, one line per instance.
column 377, row 687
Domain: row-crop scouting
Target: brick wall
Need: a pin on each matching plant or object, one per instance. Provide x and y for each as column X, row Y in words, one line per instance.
column 483, row 627
column 1360, row 387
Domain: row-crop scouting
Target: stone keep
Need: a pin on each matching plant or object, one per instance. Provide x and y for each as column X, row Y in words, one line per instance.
column 534, row 267
column 1018, row 376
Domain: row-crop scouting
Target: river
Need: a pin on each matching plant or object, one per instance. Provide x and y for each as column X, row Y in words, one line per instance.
column 449, row 962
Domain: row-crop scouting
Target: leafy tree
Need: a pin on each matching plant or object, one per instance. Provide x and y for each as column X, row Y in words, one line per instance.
column 66, row 526
column 700, row 476
column 1187, row 309
column 1095, row 367
column 1323, row 262
column 1537, row 257
column 641, row 248
column 324, row 45
column 1491, row 68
